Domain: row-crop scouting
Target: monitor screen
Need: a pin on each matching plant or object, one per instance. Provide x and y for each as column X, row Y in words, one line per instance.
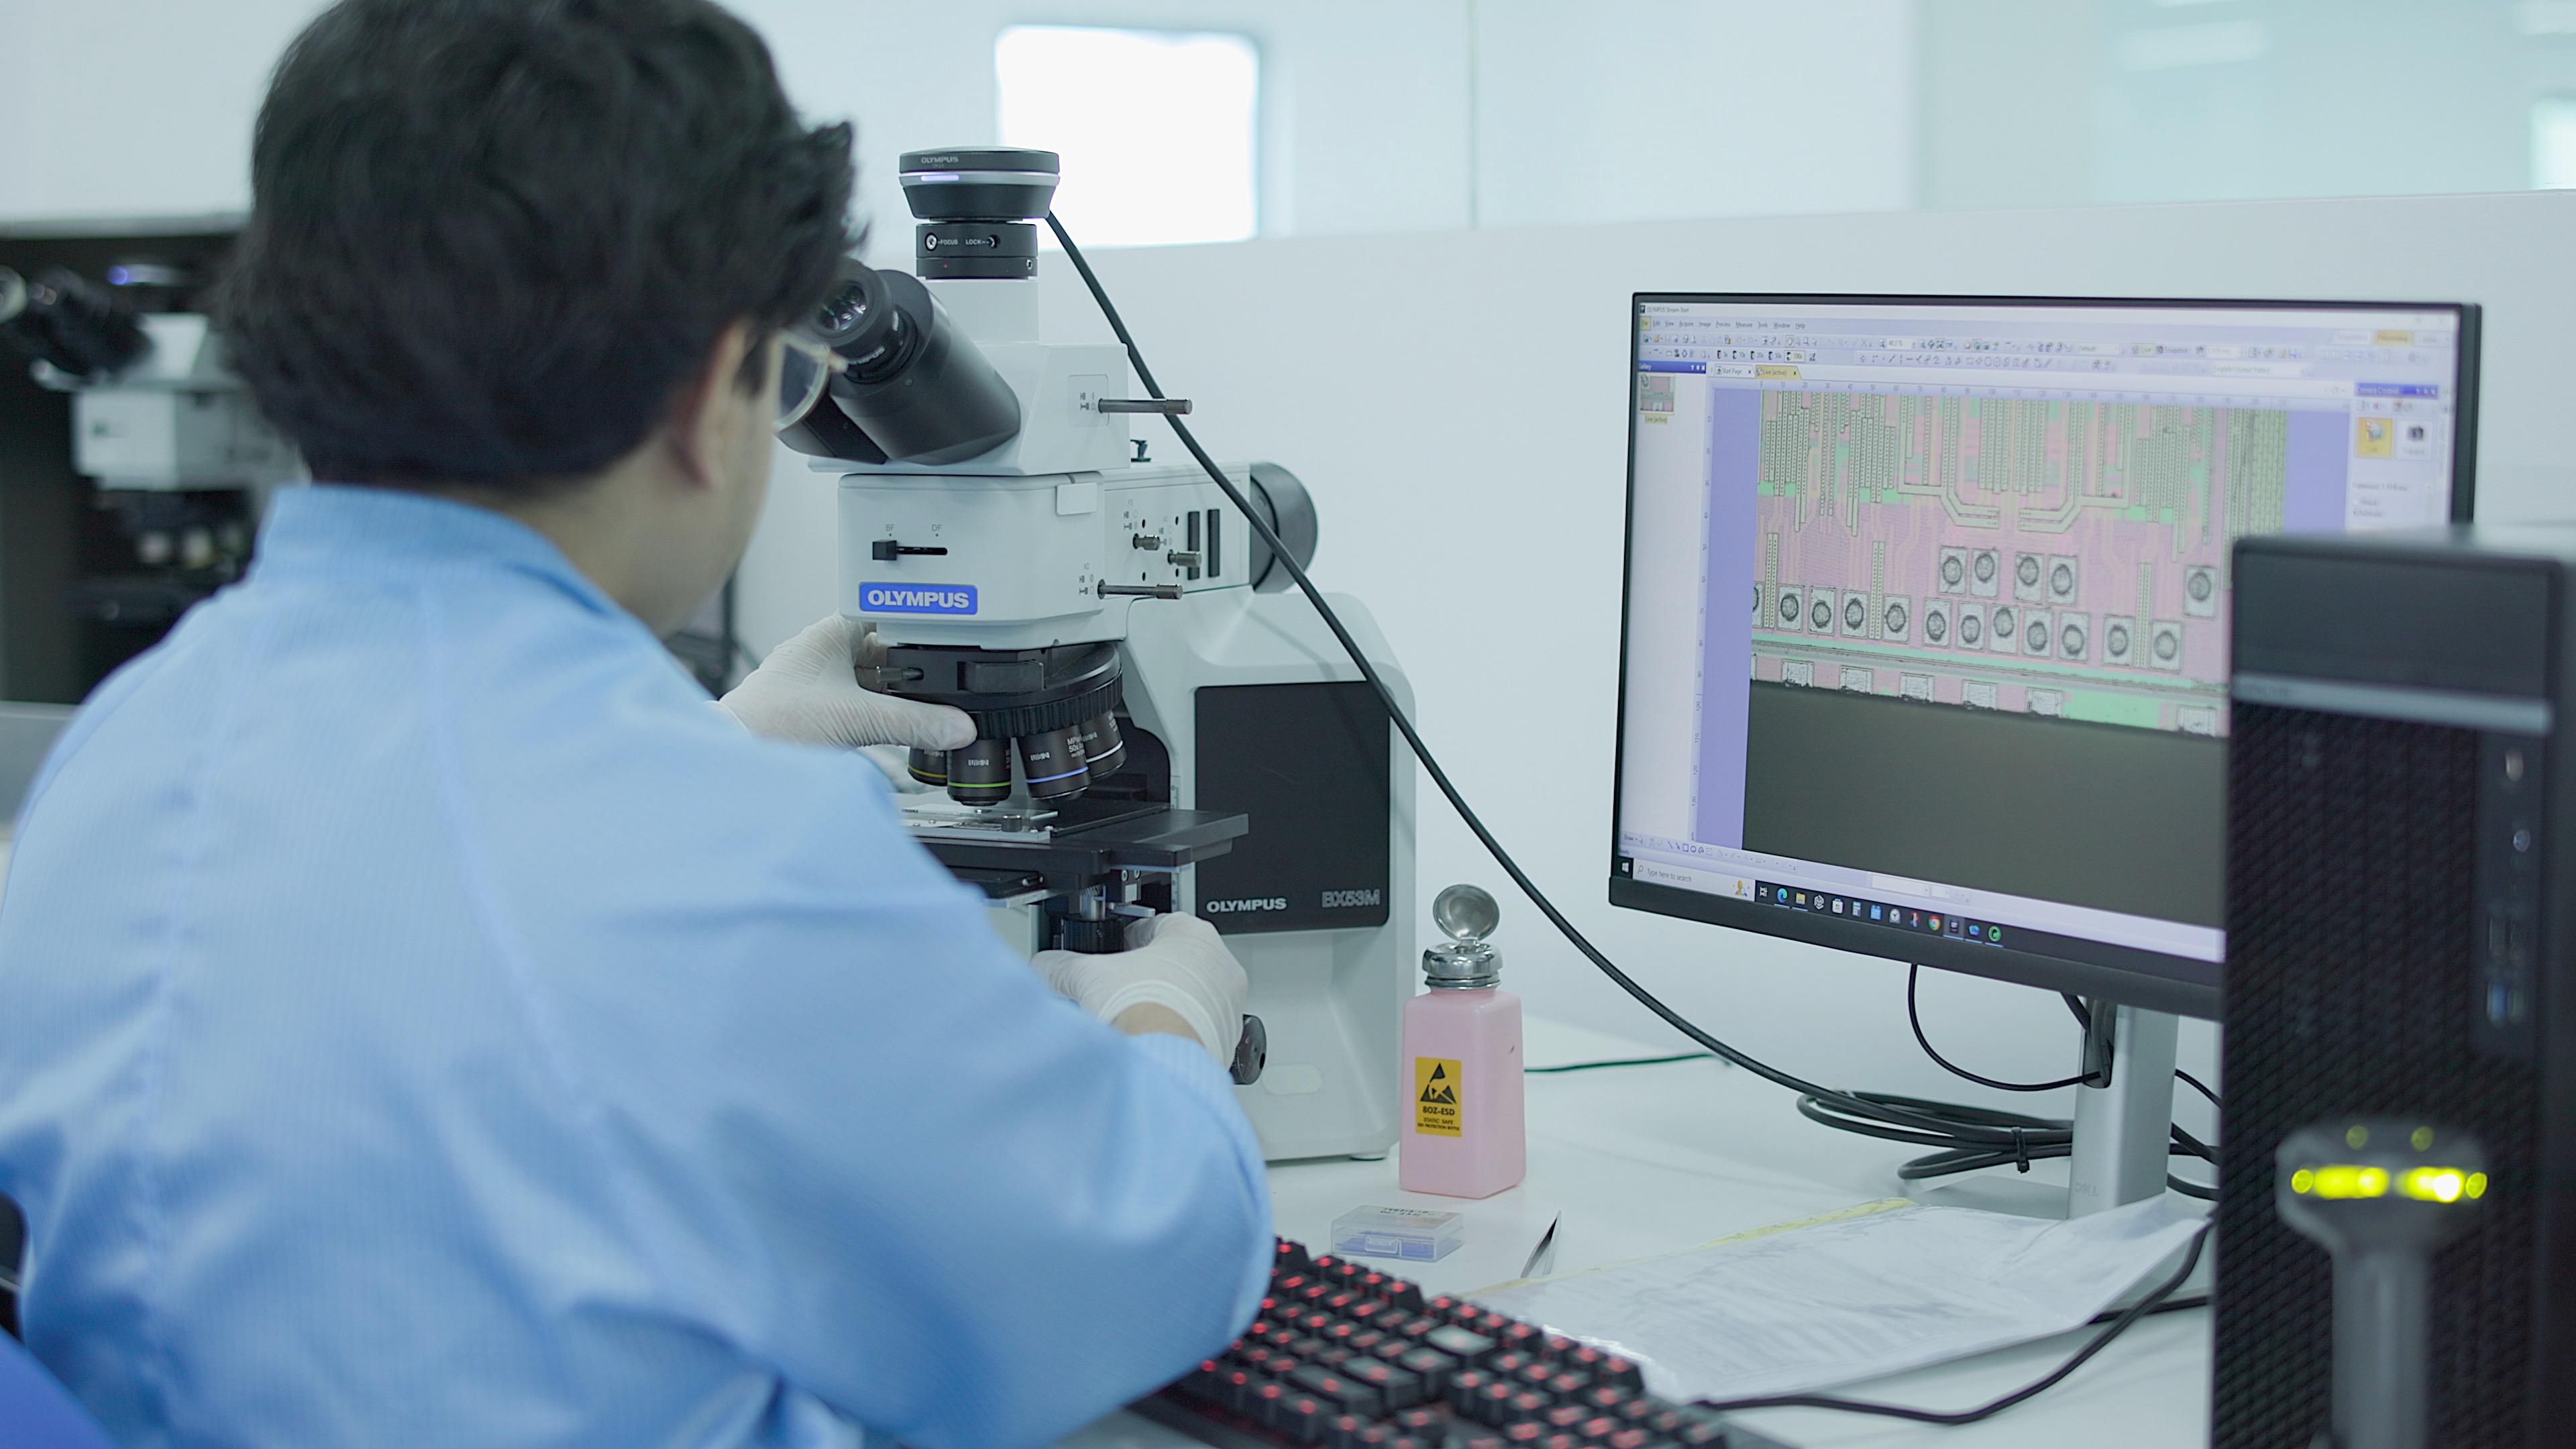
column 1924, row 650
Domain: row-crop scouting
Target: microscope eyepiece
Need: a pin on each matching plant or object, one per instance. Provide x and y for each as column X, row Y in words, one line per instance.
column 915, row 389
column 69, row 322
column 863, row 323
column 842, row 313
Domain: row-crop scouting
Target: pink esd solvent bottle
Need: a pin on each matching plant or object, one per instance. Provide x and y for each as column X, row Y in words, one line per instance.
column 1463, row 1131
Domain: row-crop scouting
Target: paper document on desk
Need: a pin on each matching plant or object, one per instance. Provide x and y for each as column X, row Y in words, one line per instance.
column 1874, row 1291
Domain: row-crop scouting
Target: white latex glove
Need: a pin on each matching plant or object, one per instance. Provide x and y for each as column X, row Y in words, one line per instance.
column 1175, row 962
column 808, row 691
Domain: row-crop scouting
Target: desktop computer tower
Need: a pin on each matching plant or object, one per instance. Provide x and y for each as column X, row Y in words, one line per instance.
column 2400, row 905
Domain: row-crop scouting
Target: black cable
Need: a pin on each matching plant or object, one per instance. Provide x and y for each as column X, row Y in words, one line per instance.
column 2184, row 1304
column 2037, row 1138
column 1957, row 1129
column 1962, row 1130
column 2041, row 1146
column 1914, row 1019
column 2085, row 1018
column 1286, row 558
column 2027, row 1139
column 2118, row 1325
column 1621, row 1062
column 729, row 625
column 2017, row 1140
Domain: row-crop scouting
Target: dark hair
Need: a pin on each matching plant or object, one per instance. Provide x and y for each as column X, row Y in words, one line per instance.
column 490, row 240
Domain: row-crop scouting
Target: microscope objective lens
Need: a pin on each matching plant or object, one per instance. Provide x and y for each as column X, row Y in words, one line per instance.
column 980, row 774
column 1103, row 751
column 1052, row 762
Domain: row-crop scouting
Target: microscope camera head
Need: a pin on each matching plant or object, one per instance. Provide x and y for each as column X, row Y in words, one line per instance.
column 978, row 209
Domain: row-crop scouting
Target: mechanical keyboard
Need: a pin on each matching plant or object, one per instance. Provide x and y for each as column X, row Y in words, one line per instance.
column 1352, row 1357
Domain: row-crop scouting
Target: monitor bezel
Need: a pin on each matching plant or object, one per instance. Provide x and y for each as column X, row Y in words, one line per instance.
column 2150, row 980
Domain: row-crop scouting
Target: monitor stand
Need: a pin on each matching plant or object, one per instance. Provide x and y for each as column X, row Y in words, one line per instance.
column 2123, row 1126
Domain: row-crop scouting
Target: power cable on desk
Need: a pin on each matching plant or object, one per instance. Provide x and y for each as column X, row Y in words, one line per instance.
column 2042, row 1137
column 1620, row 1062
column 2184, row 1304
column 1914, row 1019
column 2119, row 1324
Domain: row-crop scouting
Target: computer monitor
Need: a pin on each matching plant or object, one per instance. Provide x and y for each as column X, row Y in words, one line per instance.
column 1924, row 643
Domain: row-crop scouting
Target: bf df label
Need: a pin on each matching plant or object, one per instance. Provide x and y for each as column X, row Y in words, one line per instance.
column 1436, row 1096
column 917, row 598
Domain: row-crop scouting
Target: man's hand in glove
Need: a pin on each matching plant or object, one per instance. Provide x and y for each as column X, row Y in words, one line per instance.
column 808, row 691
column 1175, row 977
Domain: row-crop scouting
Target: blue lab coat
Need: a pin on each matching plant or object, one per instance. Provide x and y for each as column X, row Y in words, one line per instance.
column 426, row 1020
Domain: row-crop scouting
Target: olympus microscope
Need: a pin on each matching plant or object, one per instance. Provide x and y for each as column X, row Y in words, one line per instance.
column 1161, row 725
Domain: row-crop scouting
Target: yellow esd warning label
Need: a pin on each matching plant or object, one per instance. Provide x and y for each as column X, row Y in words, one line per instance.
column 1436, row 1106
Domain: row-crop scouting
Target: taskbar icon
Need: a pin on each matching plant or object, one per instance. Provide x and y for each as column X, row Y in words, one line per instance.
column 1887, row 915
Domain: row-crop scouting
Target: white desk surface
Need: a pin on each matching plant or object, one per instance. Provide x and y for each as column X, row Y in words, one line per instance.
column 1645, row 1160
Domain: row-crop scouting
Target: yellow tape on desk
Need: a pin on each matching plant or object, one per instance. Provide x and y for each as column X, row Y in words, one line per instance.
column 1839, row 1215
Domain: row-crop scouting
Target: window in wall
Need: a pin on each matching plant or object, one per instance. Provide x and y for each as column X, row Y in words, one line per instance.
column 2177, row 47
column 1159, row 130
column 2553, row 142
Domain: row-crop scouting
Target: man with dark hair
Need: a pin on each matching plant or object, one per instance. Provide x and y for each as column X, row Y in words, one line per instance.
column 424, row 1017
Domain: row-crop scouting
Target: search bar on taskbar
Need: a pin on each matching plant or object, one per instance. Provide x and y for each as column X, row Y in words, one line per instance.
column 1908, row 886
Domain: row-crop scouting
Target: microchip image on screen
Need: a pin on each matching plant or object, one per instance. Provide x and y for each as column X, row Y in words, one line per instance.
column 1928, row 600
column 2055, row 557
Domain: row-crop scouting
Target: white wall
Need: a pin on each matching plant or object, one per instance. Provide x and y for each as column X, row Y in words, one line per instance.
column 2044, row 102
column 1642, row 110
column 1363, row 107
column 134, row 107
column 1613, row 110
column 1458, row 410
column 120, row 107
column 1441, row 114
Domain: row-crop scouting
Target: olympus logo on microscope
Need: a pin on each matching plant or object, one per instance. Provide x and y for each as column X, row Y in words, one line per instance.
column 917, row 598
column 1246, row 903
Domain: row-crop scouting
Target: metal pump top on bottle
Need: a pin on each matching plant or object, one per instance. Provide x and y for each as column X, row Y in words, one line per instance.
column 1466, row 961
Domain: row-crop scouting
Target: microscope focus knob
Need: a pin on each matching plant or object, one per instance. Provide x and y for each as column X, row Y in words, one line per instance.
column 1251, row 1052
